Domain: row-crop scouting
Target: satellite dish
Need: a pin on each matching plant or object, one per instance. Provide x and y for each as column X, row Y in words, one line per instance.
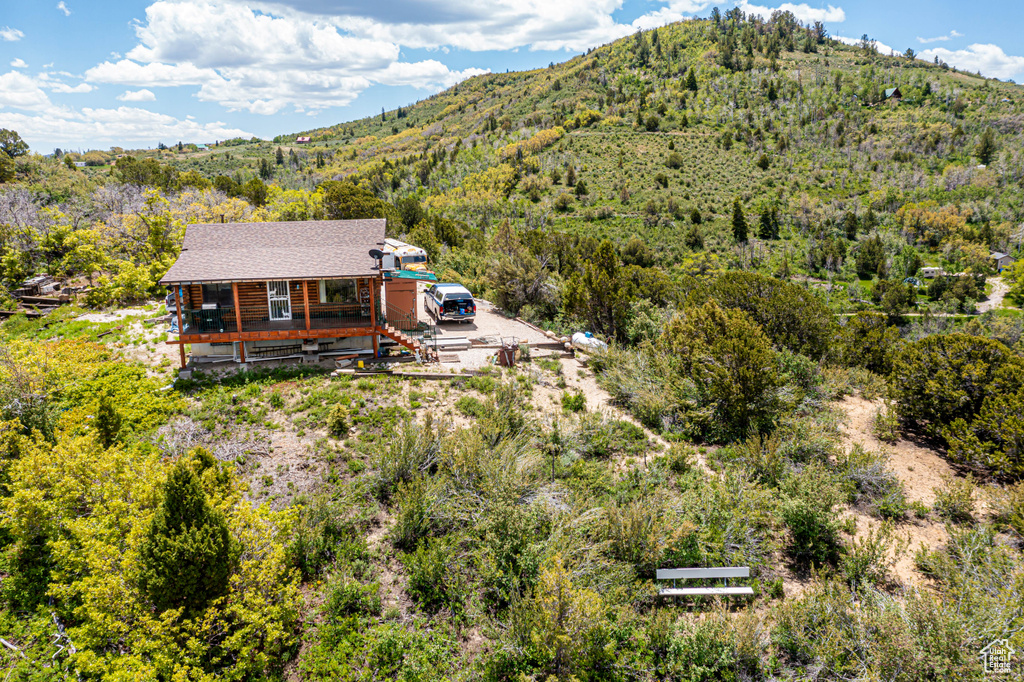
column 376, row 253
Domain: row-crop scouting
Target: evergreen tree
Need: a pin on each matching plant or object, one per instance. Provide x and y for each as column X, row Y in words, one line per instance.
column 265, row 169
column 691, row 80
column 739, row 223
column 772, row 93
column 570, row 176
column 768, row 228
column 279, row 156
column 186, row 554
column 986, row 147
column 850, row 225
column 108, row 422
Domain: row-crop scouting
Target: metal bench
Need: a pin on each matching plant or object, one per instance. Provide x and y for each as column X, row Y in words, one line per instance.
column 725, row 573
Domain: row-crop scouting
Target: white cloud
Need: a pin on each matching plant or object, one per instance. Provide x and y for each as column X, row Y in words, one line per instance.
column 127, row 72
column 137, row 96
column 468, row 24
column 52, row 81
column 940, row 39
column 72, row 89
column 18, row 91
column 124, row 126
column 249, row 60
column 802, row 12
column 676, row 10
column 63, row 8
column 10, row 35
column 882, row 47
column 18, row 63
column 989, row 59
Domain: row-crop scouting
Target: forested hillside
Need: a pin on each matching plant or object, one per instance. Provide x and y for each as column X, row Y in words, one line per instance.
column 742, row 208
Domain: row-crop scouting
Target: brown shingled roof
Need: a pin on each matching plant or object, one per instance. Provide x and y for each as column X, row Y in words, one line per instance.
column 238, row 252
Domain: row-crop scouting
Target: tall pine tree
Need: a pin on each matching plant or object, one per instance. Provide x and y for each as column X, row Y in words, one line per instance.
column 739, row 222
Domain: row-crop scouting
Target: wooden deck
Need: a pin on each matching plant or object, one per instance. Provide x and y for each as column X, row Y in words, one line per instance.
column 283, row 333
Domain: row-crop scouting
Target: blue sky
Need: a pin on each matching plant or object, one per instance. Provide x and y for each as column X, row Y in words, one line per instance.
column 83, row 75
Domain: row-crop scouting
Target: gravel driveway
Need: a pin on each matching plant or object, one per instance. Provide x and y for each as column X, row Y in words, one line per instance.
column 490, row 326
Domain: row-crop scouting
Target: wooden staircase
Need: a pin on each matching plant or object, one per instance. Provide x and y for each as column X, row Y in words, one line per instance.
column 426, row 353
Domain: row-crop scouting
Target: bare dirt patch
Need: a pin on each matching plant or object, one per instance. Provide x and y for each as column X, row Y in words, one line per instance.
column 920, row 469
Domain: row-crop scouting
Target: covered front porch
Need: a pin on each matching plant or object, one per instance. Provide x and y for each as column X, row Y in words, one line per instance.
column 233, row 309
column 231, row 320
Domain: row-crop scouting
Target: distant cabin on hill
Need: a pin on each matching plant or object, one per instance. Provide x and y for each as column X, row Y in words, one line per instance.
column 893, row 94
column 302, row 140
column 1001, row 260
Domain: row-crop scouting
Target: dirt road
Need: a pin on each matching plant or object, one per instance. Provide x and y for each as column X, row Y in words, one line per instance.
column 995, row 299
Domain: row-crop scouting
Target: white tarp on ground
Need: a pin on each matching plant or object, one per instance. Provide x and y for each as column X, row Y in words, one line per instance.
column 585, row 341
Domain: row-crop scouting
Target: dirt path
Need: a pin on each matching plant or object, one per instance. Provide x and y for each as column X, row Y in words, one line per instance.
column 995, row 299
column 919, row 469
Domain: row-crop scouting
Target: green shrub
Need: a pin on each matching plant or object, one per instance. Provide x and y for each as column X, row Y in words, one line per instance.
column 1007, row 505
column 508, row 551
column 731, row 365
column 704, row 651
column 594, row 437
column 348, row 597
column 789, row 315
column 326, row 531
column 680, row 459
column 413, row 518
column 954, row 501
column 874, row 485
column 886, row 423
column 338, row 420
column 946, row 377
column 574, row 402
column 810, row 514
column 471, row 407
column 404, row 457
column 433, row 579
column 868, row 559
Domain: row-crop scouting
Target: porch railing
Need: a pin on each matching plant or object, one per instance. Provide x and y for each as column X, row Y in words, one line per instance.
column 256, row 318
column 409, row 324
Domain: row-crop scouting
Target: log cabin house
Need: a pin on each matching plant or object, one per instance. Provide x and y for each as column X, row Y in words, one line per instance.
column 260, row 290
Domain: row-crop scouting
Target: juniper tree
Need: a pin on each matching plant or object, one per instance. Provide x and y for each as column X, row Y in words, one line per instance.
column 108, row 422
column 186, row 555
column 986, row 148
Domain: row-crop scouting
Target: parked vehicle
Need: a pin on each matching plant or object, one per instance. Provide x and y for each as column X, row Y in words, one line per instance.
column 407, row 256
column 449, row 302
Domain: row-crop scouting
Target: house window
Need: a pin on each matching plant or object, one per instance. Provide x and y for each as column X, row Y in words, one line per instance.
column 337, row 291
column 221, row 294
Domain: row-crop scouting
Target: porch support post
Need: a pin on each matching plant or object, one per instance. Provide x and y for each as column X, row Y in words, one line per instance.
column 305, row 300
column 179, row 299
column 373, row 316
column 238, row 322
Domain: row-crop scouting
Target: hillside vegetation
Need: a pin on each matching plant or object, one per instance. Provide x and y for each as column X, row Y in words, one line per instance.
column 732, row 203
